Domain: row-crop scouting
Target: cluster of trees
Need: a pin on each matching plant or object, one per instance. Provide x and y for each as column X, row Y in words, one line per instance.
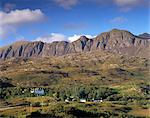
column 11, row 92
column 5, row 82
column 73, row 93
column 85, row 92
column 78, row 92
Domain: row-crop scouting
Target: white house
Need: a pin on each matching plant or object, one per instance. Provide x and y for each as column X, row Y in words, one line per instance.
column 37, row 91
column 97, row 100
column 32, row 91
column 83, row 100
column 66, row 100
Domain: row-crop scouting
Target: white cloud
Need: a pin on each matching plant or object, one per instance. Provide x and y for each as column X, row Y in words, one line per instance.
column 52, row 37
column 118, row 20
column 123, row 5
column 126, row 2
column 9, row 22
column 67, row 4
column 74, row 37
column 60, row 37
column 20, row 16
column 126, row 5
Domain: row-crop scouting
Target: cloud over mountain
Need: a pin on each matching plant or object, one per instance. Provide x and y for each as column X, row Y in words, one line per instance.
column 60, row 37
column 52, row 37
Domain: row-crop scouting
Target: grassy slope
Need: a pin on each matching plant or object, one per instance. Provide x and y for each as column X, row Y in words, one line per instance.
column 126, row 74
column 98, row 67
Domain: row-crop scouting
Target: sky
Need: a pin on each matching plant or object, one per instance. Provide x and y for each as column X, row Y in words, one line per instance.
column 58, row 20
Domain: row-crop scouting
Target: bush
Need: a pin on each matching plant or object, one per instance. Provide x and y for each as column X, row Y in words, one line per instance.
column 36, row 104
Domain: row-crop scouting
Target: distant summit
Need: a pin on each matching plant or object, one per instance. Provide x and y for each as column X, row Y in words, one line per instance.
column 145, row 35
column 115, row 41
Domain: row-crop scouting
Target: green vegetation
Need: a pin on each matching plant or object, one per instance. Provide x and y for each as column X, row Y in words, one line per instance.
column 85, row 92
column 121, row 82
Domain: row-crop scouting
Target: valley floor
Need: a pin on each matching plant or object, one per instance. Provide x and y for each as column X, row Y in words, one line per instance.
column 73, row 109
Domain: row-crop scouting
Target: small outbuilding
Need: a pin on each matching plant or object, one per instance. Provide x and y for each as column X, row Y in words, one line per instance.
column 38, row 91
column 82, row 100
column 97, row 100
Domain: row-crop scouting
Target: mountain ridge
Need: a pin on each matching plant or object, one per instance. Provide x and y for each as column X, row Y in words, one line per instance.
column 118, row 41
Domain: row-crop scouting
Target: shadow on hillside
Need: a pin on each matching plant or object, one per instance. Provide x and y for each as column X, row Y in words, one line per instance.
column 6, row 85
column 39, row 115
column 81, row 113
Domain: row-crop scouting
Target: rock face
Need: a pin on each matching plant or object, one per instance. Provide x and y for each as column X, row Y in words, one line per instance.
column 22, row 49
column 117, row 41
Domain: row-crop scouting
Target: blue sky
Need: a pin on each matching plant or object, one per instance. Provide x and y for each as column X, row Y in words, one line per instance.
column 50, row 20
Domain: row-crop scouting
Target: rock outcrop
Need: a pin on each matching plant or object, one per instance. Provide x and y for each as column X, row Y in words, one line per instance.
column 117, row 41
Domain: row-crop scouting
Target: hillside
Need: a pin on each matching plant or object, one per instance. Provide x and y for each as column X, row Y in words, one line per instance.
column 121, row 81
column 90, row 67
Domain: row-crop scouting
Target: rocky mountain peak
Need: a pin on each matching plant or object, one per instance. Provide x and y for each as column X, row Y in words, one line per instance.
column 83, row 38
column 116, row 41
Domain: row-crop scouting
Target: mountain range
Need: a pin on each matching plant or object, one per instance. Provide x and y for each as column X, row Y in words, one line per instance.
column 115, row 41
